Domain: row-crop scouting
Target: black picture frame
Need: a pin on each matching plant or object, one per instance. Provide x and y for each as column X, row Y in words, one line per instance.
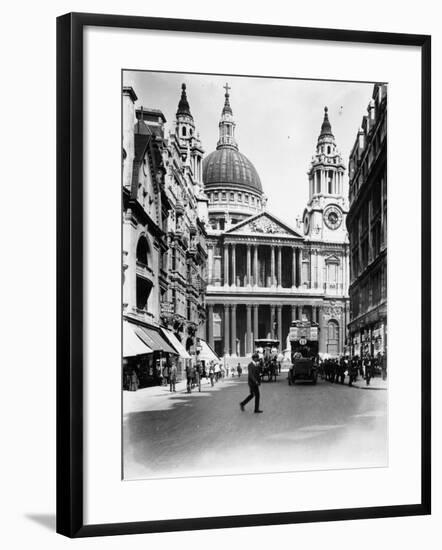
column 70, row 296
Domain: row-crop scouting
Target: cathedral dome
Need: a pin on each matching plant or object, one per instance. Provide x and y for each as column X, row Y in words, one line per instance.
column 228, row 167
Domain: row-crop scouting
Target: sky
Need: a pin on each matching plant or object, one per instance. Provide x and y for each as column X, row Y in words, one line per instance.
column 277, row 122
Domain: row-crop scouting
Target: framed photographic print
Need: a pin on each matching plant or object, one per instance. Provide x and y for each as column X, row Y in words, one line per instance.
column 242, row 337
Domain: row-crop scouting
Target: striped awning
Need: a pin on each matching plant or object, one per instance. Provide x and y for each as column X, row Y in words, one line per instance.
column 153, row 338
column 206, row 353
column 173, row 340
column 132, row 344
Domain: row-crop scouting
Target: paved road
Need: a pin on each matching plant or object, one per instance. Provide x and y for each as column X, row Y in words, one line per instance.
column 303, row 427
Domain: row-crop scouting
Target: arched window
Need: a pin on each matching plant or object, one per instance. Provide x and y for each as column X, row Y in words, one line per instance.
column 330, row 182
column 333, row 337
column 190, row 131
column 142, row 251
column 328, row 149
column 184, row 131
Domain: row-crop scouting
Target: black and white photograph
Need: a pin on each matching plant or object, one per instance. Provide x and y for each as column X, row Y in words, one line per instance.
column 254, row 275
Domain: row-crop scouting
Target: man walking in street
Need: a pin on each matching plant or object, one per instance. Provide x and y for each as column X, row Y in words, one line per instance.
column 254, row 383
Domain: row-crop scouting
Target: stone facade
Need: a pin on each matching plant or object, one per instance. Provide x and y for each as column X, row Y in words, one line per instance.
column 164, row 221
column 263, row 274
column 367, row 228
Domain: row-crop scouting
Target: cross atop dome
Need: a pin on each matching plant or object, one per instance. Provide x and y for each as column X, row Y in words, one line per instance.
column 226, row 123
column 227, row 109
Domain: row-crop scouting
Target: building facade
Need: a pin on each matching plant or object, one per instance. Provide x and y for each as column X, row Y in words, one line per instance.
column 367, row 229
column 164, row 227
column 262, row 273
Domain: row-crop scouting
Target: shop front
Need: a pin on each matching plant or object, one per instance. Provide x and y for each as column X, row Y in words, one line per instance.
column 150, row 366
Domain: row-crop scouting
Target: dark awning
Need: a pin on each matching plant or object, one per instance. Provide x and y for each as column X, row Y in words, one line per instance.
column 154, row 340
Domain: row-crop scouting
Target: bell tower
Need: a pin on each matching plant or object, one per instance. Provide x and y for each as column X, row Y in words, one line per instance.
column 324, row 217
column 192, row 151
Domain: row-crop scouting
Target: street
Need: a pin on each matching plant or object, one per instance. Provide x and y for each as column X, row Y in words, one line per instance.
column 304, row 427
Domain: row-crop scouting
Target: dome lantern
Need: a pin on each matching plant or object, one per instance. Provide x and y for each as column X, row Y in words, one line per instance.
column 227, row 124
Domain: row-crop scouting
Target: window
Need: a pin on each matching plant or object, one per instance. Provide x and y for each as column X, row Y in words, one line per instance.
column 333, row 338
column 215, row 196
column 253, row 200
column 246, row 198
column 190, row 131
column 142, row 251
column 332, row 273
column 232, row 196
column 364, row 251
column 328, row 149
column 330, row 182
column 184, row 131
column 239, row 197
column 144, row 287
column 224, row 196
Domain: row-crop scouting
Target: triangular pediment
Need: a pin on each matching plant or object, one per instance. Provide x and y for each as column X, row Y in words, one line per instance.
column 265, row 224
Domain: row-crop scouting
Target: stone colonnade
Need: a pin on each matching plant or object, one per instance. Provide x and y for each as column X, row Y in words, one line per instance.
column 254, row 323
column 261, row 265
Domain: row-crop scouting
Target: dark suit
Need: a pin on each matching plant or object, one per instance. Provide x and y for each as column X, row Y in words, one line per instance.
column 254, row 382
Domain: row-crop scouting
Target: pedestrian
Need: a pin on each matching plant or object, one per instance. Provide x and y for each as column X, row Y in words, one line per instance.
column 172, row 377
column 254, row 383
column 198, row 377
column 165, row 374
column 189, row 377
column 367, row 369
column 383, row 363
column 239, row 368
column 217, row 372
column 212, row 374
column 134, row 382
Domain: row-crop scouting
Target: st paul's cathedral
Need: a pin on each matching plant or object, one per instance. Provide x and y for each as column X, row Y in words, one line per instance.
column 262, row 273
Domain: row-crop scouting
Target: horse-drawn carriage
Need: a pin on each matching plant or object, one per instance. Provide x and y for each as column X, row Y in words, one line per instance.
column 267, row 350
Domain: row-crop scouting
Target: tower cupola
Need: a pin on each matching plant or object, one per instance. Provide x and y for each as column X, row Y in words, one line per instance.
column 227, row 124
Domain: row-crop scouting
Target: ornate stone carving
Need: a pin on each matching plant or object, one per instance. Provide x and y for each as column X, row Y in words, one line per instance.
column 263, row 225
column 332, row 311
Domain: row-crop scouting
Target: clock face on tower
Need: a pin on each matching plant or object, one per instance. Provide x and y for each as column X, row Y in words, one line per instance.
column 332, row 217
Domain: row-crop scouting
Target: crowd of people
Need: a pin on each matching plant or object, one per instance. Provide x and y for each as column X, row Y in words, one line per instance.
column 337, row 369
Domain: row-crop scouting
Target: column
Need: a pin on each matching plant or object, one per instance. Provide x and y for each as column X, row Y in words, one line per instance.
column 272, row 265
column 255, row 265
column 233, row 264
column 279, row 317
column 249, row 346
column 299, row 314
column 226, row 328
column 314, row 314
column 272, row 319
column 249, row 266
column 322, row 334
column 294, row 313
column 226, row 264
column 299, row 267
column 233, row 352
column 341, row 333
column 345, row 267
column 311, row 268
column 279, row 282
column 210, row 325
column 255, row 322
column 294, row 267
